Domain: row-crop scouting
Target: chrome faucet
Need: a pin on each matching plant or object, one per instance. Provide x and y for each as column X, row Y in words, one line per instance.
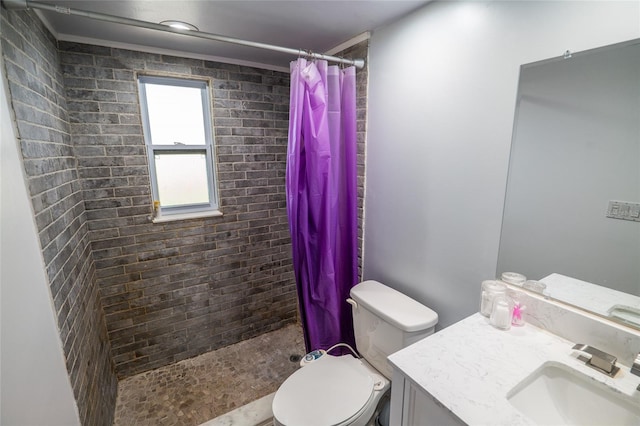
column 635, row 368
column 601, row 361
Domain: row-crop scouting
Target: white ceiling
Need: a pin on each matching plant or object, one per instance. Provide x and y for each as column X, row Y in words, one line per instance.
column 319, row 26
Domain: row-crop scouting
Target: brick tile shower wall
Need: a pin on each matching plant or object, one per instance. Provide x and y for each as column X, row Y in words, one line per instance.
column 360, row 51
column 175, row 290
column 38, row 100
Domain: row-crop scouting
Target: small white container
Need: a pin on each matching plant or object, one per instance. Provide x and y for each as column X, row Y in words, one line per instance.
column 535, row 286
column 490, row 289
column 513, row 278
column 501, row 312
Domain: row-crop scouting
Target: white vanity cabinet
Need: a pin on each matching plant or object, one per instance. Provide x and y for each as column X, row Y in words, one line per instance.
column 412, row 406
column 468, row 372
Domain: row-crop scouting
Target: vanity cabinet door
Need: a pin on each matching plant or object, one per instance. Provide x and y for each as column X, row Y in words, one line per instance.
column 417, row 411
column 411, row 406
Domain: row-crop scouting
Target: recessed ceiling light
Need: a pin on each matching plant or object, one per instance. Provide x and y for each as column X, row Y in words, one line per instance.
column 179, row 25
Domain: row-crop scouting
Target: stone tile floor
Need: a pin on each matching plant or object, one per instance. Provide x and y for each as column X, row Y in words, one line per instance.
column 195, row 390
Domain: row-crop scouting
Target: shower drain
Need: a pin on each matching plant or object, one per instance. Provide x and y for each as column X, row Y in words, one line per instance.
column 295, row 358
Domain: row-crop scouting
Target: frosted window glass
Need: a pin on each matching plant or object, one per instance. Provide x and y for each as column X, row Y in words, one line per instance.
column 177, row 123
column 175, row 115
column 182, row 179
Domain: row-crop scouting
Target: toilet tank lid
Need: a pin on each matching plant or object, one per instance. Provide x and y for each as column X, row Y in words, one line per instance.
column 393, row 306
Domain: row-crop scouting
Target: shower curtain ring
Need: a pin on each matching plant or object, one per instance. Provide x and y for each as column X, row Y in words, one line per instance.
column 312, row 55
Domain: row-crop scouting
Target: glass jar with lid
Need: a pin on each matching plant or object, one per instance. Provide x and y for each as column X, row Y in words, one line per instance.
column 501, row 312
column 490, row 289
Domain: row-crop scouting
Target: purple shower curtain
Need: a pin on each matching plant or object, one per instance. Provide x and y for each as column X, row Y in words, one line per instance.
column 321, row 186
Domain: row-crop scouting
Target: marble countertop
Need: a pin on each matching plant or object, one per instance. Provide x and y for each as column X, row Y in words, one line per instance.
column 470, row 367
column 592, row 297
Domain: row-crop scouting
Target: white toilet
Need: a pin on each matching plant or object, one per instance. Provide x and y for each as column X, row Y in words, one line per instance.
column 343, row 390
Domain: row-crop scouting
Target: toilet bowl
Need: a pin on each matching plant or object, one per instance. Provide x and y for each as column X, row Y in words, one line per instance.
column 345, row 390
column 349, row 386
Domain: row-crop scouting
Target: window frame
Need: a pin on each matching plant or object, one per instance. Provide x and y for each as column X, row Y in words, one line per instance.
column 208, row 148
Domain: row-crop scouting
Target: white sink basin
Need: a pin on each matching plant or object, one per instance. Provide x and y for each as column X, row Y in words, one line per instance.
column 556, row 394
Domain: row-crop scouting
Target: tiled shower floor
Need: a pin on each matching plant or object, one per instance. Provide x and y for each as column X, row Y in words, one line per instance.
column 195, row 390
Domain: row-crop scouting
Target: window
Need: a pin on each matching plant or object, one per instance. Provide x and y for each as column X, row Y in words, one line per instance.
column 176, row 116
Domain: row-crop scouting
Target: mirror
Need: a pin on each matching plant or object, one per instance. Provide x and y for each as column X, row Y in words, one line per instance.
column 575, row 149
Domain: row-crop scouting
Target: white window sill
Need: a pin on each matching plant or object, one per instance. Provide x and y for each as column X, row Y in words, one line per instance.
column 185, row 216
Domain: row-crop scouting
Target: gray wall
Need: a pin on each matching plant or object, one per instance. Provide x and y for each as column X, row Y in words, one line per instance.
column 31, row 59
column 442, row 95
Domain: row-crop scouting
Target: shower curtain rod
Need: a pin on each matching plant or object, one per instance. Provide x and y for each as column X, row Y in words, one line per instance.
column 28, row 4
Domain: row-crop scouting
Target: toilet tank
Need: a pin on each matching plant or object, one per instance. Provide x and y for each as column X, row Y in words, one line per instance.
column 385, row 321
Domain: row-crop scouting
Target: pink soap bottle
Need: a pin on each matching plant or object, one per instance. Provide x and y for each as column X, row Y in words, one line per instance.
column 517, row 317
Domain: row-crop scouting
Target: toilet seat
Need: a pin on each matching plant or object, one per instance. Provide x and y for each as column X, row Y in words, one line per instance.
column 329, row 391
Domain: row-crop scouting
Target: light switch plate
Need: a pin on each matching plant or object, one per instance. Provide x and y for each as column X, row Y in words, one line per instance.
column 624, row 210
